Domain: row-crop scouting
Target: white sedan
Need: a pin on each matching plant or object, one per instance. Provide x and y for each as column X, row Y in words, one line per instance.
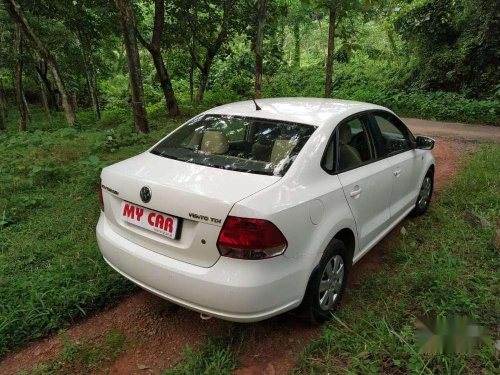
column 247, row 211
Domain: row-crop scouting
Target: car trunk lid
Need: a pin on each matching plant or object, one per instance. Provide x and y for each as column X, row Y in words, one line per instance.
column 199, row 196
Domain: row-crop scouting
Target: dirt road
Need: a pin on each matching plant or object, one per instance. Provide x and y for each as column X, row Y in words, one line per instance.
column 454, row 130
column 157, row 331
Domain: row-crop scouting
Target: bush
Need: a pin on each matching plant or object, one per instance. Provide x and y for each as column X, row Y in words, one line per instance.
column 373, row 82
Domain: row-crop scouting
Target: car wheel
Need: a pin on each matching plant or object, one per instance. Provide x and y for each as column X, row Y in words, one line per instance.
column 327, row 283
column 424, row 195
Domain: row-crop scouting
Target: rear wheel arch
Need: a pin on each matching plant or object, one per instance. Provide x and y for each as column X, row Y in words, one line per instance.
column 347, row 236
column 431, row 170
column 343, row 244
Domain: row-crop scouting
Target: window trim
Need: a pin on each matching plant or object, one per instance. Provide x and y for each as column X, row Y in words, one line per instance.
column 400, row 125
column 335, row 137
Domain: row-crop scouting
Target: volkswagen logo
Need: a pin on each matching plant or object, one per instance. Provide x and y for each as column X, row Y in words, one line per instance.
column 145, row 194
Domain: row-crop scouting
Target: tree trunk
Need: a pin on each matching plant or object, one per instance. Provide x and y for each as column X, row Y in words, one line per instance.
column 43, row 94
column 154, row 49
column 127, row 19
column 89, row 75
column 95, row 87
column 191, row 79
column 42, row 71
column 212, row 49
column 18, row 50
column 66, row 104
column 331, row 50
column 202, row 86
column 259, row 46
column 4, row 109
column 166, row 84
column 26, row 107
column 296, row 50
column 19, row 19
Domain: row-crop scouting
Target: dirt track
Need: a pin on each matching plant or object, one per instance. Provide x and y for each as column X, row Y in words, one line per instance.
column 158, row 331
column 454, row 130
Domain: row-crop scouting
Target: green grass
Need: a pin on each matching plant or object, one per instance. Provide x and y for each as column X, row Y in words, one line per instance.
column 51, row 271
column 442, row 266
column 215, row 356
column 83, row 357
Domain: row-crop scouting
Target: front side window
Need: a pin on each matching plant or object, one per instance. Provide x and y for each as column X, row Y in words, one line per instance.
column 237, row 143
column 355, row 145
column 395, row 138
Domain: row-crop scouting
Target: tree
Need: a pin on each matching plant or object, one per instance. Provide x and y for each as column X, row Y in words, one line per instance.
column 455, row 44
column 127, row 19
column 89, row 69
column 3, row 112
column 154, row 49
column 5, row 64
column 42, row 75
column 332, row 23
column 18, row 49
column 259, row 43
column 38, row 46
column 210, row 24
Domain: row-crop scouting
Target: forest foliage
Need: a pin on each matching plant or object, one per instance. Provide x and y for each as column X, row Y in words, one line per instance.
column 424, row 58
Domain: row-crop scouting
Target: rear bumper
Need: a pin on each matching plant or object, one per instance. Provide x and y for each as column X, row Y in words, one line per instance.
column 232, row 289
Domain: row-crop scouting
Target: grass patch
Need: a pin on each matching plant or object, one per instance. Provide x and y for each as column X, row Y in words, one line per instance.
column 84, row 357
column 51, row 272
column 215, row 356
column 442, row 266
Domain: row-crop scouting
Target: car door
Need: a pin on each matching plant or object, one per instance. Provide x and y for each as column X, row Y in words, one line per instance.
column 366, row 180
column 396, row 143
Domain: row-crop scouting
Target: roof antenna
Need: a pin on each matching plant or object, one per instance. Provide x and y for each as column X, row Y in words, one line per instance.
column 257, row 108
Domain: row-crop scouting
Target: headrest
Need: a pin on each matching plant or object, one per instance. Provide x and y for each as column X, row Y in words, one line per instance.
column 214, row 142
column 281, row 149
column 195, row 141
column 345, row 134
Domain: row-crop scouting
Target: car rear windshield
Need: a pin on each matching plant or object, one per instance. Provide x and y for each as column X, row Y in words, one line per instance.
column 237, row 143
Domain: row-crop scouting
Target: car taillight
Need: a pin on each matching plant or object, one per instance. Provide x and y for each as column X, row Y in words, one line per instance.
column 244, row 238
column 101, row 198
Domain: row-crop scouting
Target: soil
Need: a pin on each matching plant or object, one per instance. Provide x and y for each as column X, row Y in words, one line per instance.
column 454, row 130
column 158, row 331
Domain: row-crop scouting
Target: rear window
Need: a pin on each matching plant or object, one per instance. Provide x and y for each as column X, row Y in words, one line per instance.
column 237, row 143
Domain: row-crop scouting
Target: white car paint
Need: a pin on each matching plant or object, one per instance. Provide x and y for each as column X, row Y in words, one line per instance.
column 307, row 204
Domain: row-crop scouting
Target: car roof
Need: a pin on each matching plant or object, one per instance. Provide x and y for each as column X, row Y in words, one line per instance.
column 312, row 111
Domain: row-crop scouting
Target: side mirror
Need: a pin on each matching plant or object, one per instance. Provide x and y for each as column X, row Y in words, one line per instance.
column 425, row 143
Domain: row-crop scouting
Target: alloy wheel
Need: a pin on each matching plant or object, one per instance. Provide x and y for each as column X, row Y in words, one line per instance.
column 331, row 282
column 425, row 193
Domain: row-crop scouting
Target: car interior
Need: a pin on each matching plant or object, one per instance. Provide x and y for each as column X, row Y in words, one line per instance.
column 259, row 143
column 354, row 145
column 393, row 139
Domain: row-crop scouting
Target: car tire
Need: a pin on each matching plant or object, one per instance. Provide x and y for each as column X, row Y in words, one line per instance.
column 424, row 195
column 325, row 290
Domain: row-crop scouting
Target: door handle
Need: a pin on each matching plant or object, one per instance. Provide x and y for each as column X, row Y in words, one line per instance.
column 356, row 191
column 397, row 172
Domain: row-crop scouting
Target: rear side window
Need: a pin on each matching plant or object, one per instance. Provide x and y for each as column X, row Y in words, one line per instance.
column 394, row 135
column 237, row 143
column 355, row 147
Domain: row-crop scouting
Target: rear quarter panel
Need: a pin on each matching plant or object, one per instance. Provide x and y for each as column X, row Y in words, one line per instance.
column 308, row 206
